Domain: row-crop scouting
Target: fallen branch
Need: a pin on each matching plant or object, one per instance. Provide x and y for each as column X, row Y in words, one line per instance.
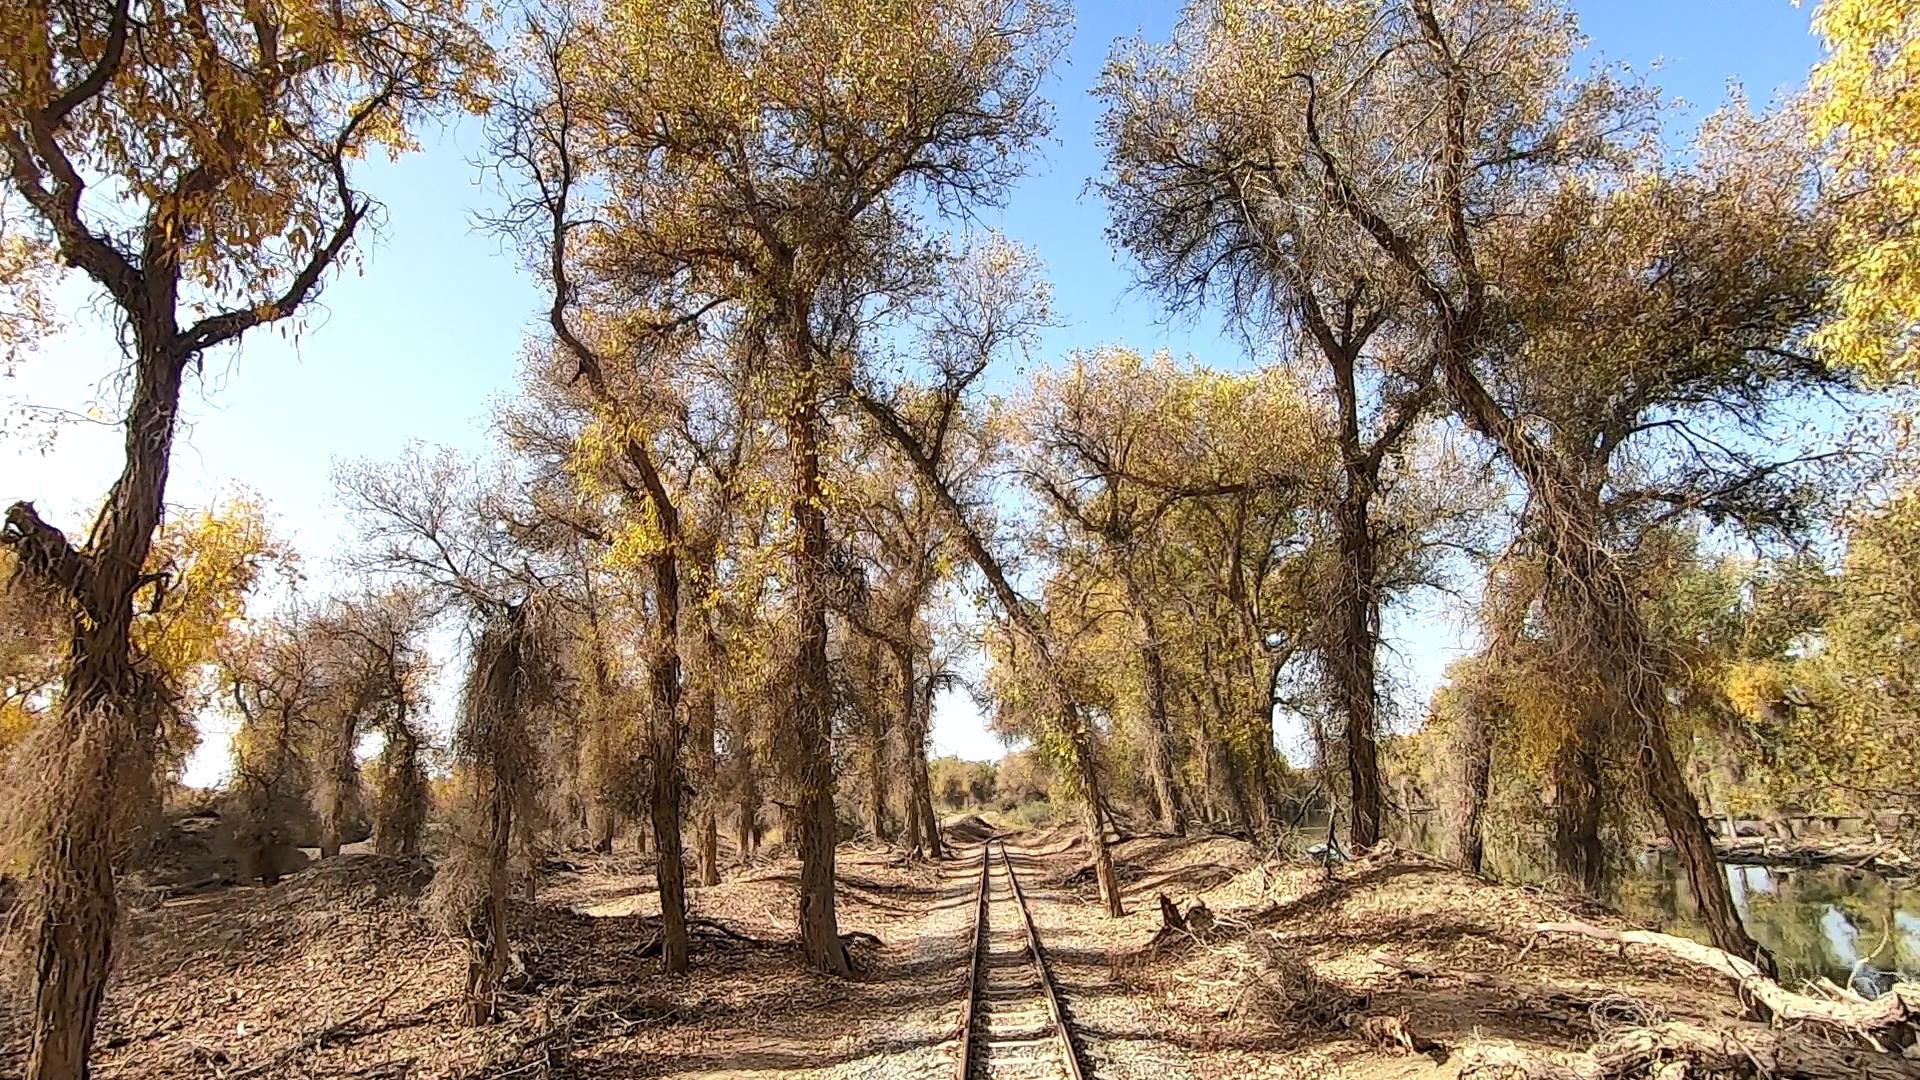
column 1867, row 1019
column 1549, row 1002
column 1680, row 1049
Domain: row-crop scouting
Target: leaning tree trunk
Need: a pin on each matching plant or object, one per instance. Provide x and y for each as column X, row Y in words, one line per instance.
column 1161, row 752
column 812, row 704
column 1021, row 615
column 1618, row 654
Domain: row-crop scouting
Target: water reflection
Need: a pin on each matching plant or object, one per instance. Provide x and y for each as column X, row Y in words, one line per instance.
column 1850, row 926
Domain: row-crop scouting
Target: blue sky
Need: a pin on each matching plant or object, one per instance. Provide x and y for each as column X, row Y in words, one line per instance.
column 424, row 335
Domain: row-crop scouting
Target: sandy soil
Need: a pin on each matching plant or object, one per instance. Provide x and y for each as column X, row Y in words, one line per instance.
column 333, row 973
column 1291, row 984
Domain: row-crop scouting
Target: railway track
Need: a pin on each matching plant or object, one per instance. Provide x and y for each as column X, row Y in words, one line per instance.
column 1012, row 1026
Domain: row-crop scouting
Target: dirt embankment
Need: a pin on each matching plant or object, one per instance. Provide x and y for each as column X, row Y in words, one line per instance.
column 1396, row 966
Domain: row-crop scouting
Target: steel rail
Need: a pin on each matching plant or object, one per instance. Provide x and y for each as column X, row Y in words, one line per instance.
column 1046, row 975
column 973, row 964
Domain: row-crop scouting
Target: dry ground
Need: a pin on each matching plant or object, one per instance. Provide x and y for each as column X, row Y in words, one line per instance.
column 333, row 973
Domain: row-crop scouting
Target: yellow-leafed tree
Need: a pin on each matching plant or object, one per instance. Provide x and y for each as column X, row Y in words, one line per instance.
column 1867, row 108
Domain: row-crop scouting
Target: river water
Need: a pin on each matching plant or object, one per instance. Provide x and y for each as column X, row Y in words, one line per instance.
column 1851, row 926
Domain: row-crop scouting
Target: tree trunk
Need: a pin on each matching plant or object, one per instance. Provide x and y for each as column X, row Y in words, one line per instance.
column 1354, row 667
column 703, row 711
column 1021, row 615
column 668, row 732
column 877, row 776
column 700, row 722
column 1577, row 852
column 1161, row 751
column 747, row 816
column 1680, row 812
column 812, row 703
column 104, row 723
column 1476, row 749
column 915, row 720
column 488, row 959
column 1617, row 652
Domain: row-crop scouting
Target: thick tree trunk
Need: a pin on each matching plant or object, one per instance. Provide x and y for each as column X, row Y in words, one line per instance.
column 73, row 942
column 812, row 702
column 1476, row 766
column 914, row 721
column 104, row 722
column 1162, row 753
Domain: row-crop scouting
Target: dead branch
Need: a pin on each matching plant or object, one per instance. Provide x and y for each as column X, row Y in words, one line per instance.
column 1865, row 1019
column 1681, row 1049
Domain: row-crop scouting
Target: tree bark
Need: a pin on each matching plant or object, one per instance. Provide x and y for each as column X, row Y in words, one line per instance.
column 877, row 776
column 1476, row 767
column 1161, row 751
column 1577, row 852
column 107, row 716
column 667, row 732
column 914, row 722
column 812, row 704
column 700, row 722
column 1354, row 665
column 488, row 959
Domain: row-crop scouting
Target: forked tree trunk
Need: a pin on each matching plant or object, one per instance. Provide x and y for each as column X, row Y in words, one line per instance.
column 819, row 924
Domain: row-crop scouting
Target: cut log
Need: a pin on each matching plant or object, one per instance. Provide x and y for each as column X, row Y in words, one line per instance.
column 1746, row 1050
column 1869, row 1019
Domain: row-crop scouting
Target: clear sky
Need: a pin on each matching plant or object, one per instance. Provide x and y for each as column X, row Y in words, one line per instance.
column 424, row 335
